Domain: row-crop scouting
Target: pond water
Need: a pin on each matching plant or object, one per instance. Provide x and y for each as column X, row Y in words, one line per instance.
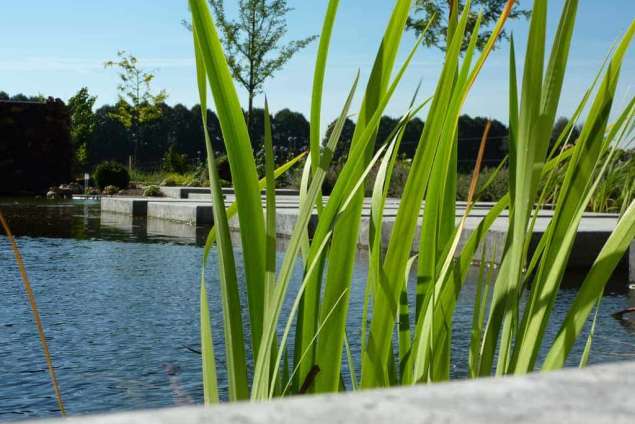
column 119, row 302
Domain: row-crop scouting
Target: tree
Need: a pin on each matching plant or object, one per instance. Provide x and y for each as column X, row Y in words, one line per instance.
column 137, row 104
column 110, row 140
column 23, row 97
column 470, row 132
column 253, row 43
column 439, row 12
column 559, row 127
column 344, row 145
column 83, row 121
column 291, row 134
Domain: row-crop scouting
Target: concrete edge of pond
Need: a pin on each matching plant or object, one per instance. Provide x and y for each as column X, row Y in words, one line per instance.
column 598, row 394
column 593, row 231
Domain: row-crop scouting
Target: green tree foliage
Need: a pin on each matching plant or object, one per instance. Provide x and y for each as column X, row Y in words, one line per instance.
column 439, row 12
column 80, row 108
column 181, row 127
column 290, row 133
column 137, row 103
column 470, row 130
column 253, row 42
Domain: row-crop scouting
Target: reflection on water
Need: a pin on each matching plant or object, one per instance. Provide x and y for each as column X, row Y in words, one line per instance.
column 119, row 301
column 83, row 220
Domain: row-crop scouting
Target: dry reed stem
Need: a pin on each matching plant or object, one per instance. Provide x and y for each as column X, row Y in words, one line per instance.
column 36, row 313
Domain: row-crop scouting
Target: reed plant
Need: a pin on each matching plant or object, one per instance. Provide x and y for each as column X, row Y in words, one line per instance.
column 304, row 351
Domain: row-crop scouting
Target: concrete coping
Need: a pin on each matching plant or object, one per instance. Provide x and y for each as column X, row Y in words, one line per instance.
column 598, row 394
column 182, row 192
column 593, row 230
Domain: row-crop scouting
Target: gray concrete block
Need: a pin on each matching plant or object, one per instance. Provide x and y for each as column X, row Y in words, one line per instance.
column 204, row 193
column 183, row 192
column 127, row 224
column 200, row 196
column 124, row 205
column 192, row 213
column 593, row 231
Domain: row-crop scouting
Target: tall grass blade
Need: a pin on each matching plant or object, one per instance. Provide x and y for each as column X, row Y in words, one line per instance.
column 586, row 353
column 440, row 199
column 341, row 256
column 392, row 350
column 233, row 327
column 233, row 208
column 572, row 201
column 312, row 341
column 530, row 122
column 260, row 388
column 382, row 325
column 425, row 340
column 292, row 314
column 241, row 161
column 270, row 221
column 208, row 357
column 318, row 82
column 591, row 289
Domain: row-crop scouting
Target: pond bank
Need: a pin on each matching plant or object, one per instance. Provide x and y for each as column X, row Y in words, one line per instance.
column 192, row 207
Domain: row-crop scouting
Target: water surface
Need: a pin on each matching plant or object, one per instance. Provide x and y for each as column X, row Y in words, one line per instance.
column 119, row 302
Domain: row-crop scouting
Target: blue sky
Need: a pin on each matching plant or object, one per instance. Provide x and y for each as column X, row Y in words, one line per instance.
column 56, row 47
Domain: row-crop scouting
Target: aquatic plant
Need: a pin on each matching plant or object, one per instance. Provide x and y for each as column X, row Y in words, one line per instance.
column 401, row 345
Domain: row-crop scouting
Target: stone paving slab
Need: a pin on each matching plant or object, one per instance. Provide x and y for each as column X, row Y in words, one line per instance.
column 599, row 394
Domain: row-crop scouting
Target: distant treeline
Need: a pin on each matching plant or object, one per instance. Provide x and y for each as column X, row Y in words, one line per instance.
column 181, row 127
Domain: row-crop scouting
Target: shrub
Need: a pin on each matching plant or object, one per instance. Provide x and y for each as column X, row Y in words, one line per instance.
column 174, row 161
column 175, row 180
column 200, row 176
column 152, row 191
column 496, row 189
column 147, row 177
column 111, row 173
column 399, row 175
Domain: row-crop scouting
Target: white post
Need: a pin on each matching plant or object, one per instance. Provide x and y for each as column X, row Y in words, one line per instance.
column 86, row 181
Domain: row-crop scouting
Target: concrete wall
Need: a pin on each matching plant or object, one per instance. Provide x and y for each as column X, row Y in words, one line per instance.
column 599, row 394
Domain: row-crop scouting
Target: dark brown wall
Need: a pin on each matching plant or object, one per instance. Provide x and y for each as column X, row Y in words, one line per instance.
column 35, row 146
